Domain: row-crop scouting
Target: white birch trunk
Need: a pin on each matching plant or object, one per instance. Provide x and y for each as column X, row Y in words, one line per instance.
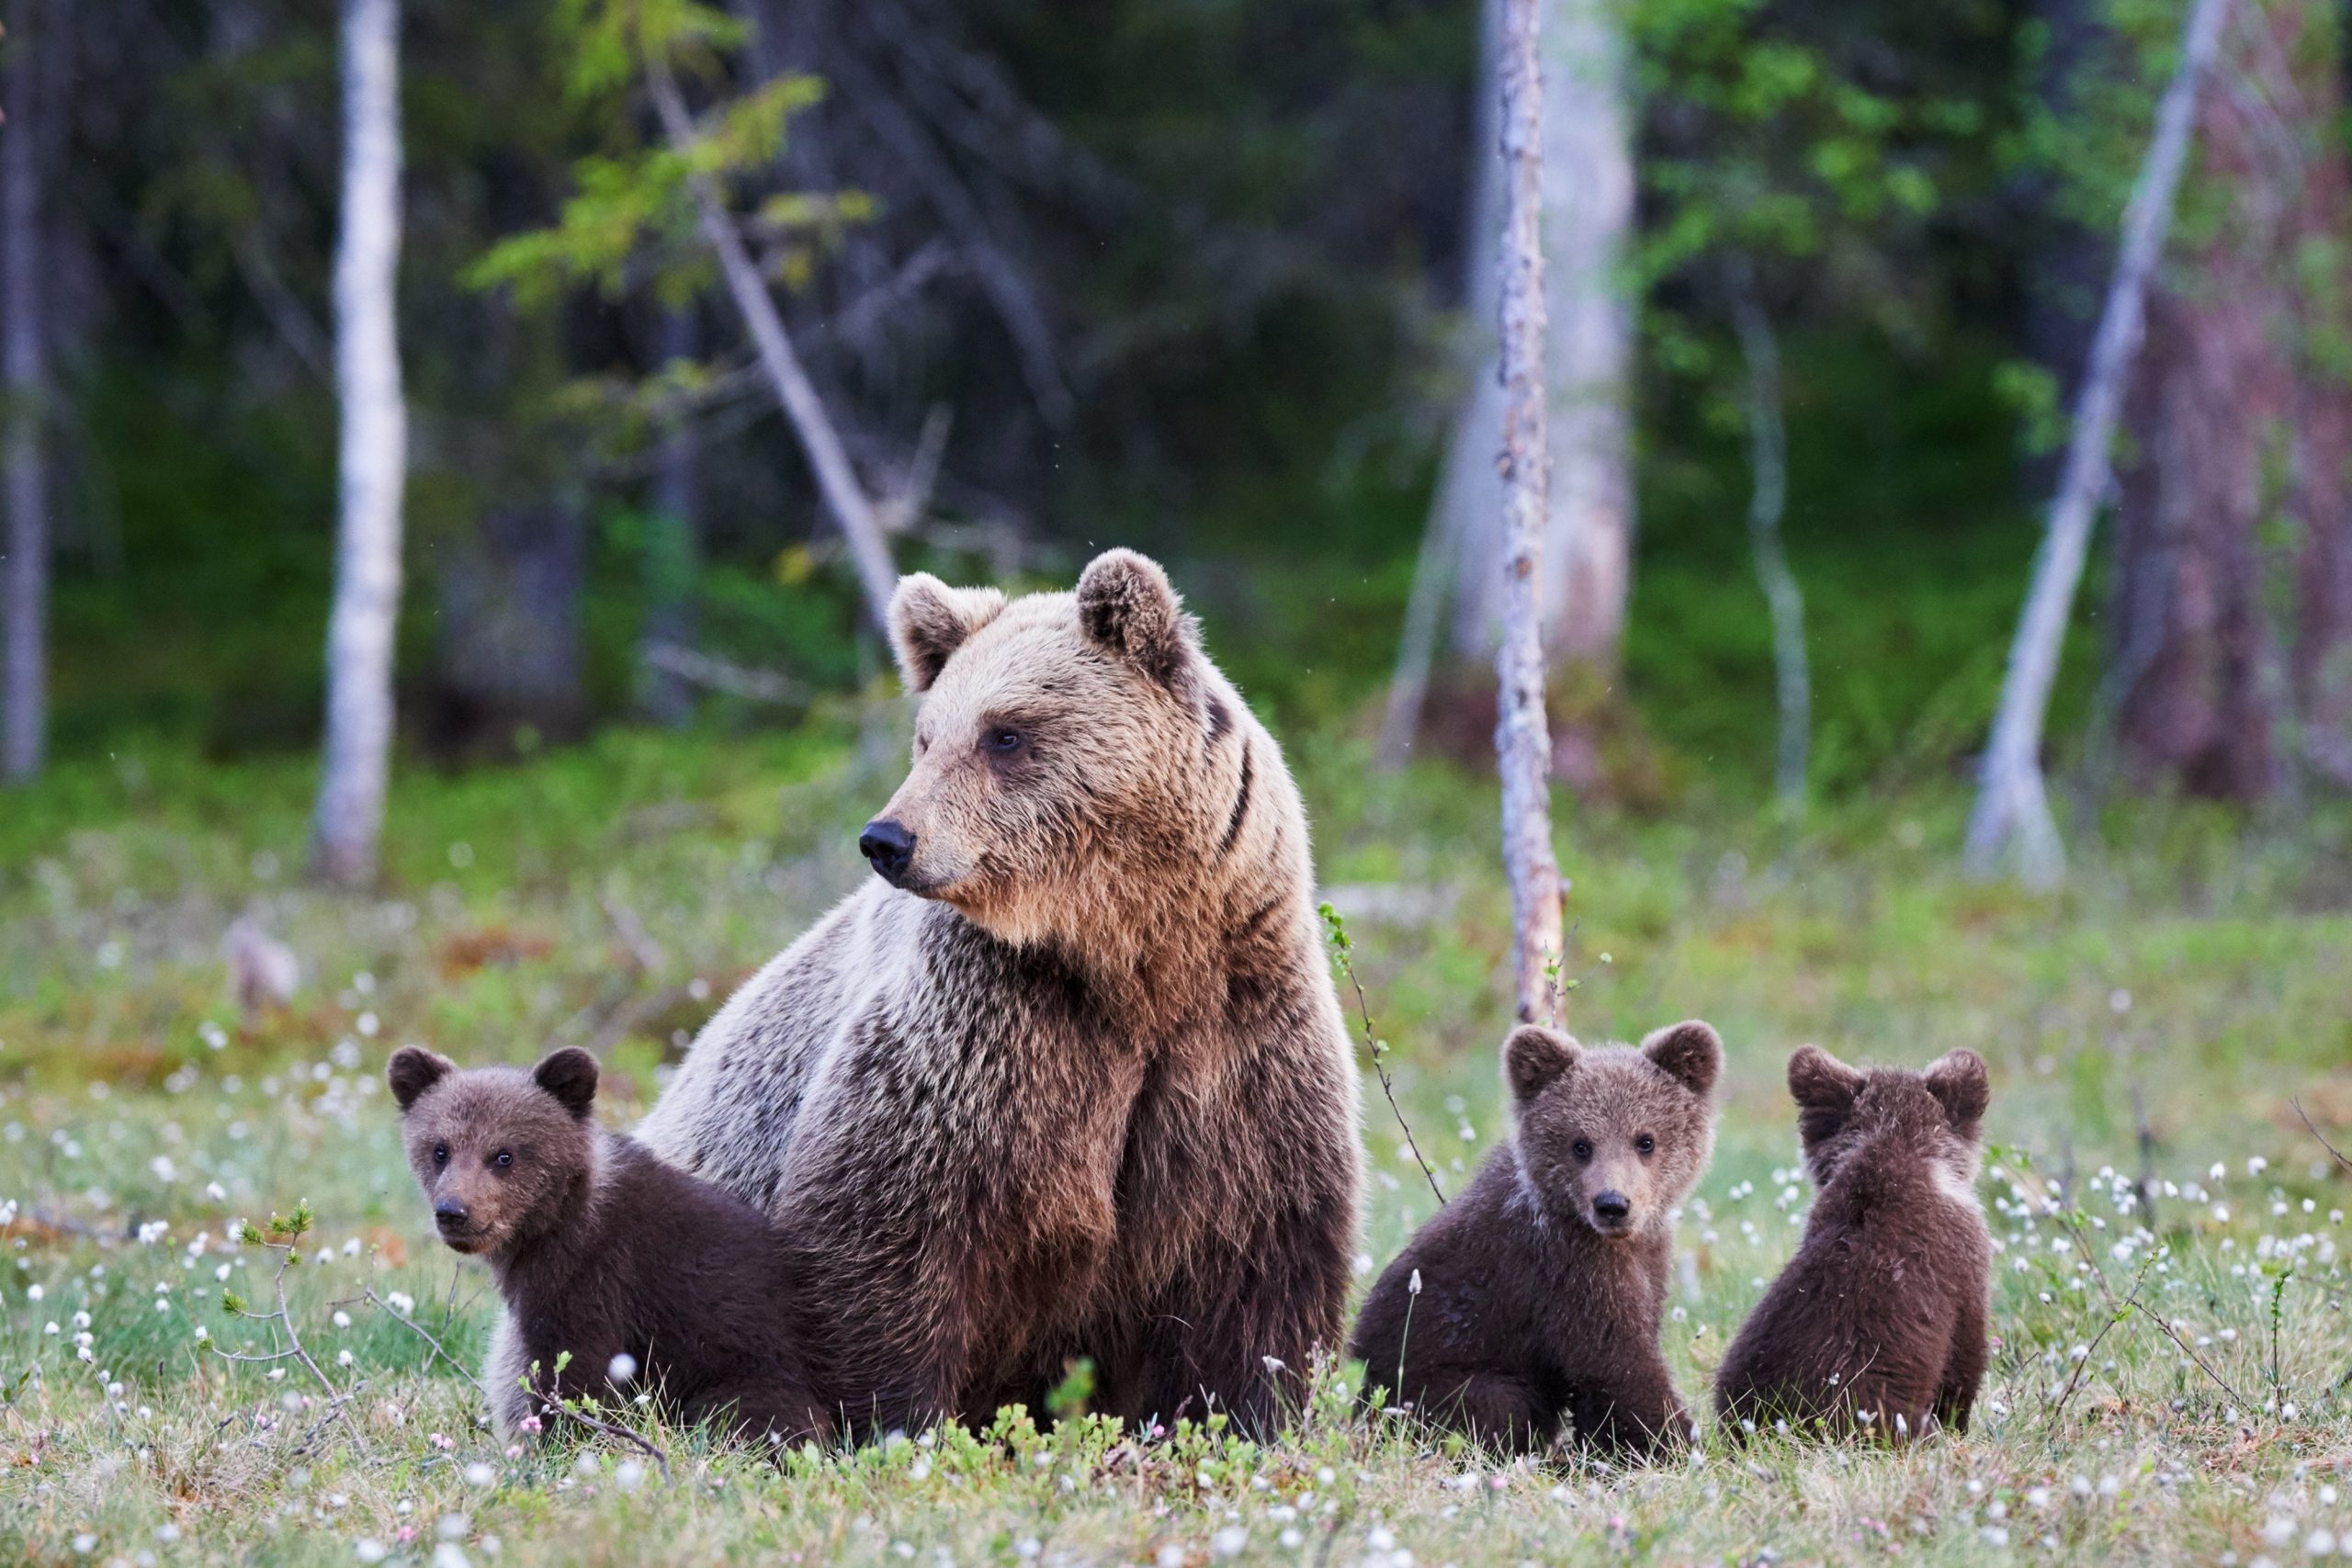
column 24, row 600
column 1588, row 217
column 373, row 453
column 1522, row 740
column 1768, row 448
column 2011, row 804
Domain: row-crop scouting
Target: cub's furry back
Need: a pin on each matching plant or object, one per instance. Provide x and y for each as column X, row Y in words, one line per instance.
column 1878, row 1323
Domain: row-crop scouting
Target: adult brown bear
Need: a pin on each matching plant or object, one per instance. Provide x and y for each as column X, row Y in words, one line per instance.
column 1070, row 1078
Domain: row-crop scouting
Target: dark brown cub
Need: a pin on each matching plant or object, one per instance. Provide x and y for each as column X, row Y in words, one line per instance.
column 1538, row 1292
column 1878, row 1323
column 618, row 1272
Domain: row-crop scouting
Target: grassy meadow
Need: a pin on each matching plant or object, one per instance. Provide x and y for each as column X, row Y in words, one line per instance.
column 2170, row 1384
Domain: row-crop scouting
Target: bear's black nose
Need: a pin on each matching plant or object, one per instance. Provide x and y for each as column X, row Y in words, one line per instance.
column 450, row 1215
column 889, row 847
column 1613, row 1208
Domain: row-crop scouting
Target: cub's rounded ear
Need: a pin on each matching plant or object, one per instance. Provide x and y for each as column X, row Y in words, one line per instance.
column 1823, row 1088
column 1958, row 1078
column 570, row 1075
column 929, row 621
column 1691, row 1052
column 1127, row 608
column 1535, row 1058
column 412, row 1070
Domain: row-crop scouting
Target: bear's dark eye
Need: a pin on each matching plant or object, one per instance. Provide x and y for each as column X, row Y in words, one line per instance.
column 440, row 1154
column 503, row 1158
column 1646, row 1144
column 1582, row 1148
column 1003, row 740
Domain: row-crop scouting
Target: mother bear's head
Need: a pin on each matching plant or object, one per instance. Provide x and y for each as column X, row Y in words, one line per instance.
column 1076, row 756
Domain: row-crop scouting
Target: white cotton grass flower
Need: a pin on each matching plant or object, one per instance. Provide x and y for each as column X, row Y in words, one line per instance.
column 367, row 1549
column 479, row 1474
column 629, row 1474
column 622, row 1368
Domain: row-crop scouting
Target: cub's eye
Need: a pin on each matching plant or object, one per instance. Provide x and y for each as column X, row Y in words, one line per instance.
column 1646, row 1144
column 1003, row 740
column 440, row 1154
column 503, row 1158
column 1582, row 1149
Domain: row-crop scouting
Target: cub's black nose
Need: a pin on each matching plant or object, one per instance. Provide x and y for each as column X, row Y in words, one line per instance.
column 450, row 1215
column 889, row 847
column 1613, row 1208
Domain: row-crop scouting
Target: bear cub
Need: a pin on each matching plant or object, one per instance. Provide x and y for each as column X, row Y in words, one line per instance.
column 1878, row 1322
column 1539, row 1292
column 645, row 1275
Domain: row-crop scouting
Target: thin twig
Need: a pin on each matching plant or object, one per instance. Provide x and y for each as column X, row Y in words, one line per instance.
column 367, row 1292
column 2098, row 1276
column 1337, row 934
column 2116, row 1314
column 2337, row 1153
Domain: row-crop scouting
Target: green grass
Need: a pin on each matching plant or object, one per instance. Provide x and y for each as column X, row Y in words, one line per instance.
column 2195, row 961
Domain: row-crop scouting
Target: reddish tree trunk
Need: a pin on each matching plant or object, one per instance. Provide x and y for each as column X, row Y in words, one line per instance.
column 2234, row 427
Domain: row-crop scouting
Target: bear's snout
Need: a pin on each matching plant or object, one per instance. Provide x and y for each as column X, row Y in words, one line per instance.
column 451, row 1217
column 889, row 847
column 1611, row 1210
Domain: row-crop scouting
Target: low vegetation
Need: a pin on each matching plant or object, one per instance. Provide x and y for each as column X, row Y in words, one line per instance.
column 2170, row 1384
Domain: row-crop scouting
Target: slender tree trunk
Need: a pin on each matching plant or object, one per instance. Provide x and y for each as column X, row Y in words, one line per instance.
column 836, row 480
column 1588, row 514
column 1768, row 501
column 673, row 544
column 1522, row 741
column 373, row 453
column 25, row 254
column 2012, row 805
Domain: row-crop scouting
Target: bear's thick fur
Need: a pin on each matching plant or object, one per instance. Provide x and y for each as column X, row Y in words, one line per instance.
column 1879, row 1320
column 1074, row 1083
column 1539, row 1292
column 600, row 1251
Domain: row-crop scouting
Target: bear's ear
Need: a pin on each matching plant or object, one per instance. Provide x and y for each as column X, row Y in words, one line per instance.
column 1127, row 608
column 929, row 621
column 570, row 1075
column 412, row 1070
column 1691, row 1052
column 1823, row 1088
column 1958, row 1078
column 1535, row 1058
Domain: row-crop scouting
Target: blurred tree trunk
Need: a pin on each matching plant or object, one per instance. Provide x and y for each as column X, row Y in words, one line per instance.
column 673, row 540
column 1588, row 517
column 373, row 453
column 1522, row 741
column 2243, row 423
column 510, row 641
column 25, row 255
column 2012, row 805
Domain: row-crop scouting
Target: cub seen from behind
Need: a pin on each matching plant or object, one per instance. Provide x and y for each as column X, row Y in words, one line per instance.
column 1878, row 1323
column 618, row 1272
column 1538, row 1292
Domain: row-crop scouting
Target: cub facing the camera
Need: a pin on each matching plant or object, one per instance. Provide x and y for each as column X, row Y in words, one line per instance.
column 1539, row 1292
column 618, row 1272
column 1878, row 1322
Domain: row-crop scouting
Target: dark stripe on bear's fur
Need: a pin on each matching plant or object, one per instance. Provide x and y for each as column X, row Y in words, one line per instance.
column 1240, row 807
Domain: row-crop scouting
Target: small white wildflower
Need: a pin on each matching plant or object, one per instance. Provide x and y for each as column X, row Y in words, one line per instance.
column 2278, row 1531
column 621, row 1367
column 367, row 1549
column 342, row 1319
column 629, row 1474
column 449, row 1554
column 1229, row 1541
column 342, row 1357
column 1412, row 1286
column 34, row 1292
column 2319, row 1543
column 477, row 1474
